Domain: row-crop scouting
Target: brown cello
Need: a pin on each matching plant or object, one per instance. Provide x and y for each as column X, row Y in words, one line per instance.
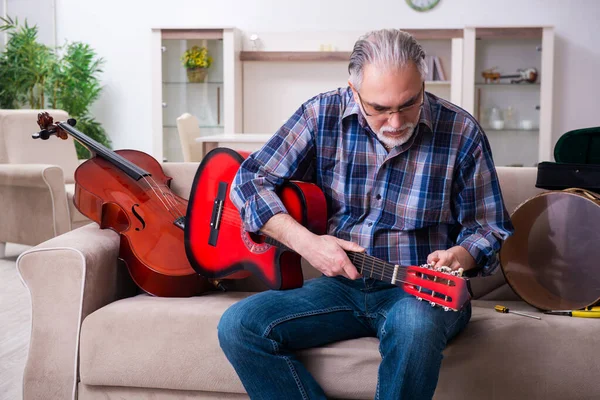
column 128, row 192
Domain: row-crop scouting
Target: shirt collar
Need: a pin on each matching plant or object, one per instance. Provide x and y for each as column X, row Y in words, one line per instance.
column 353, row 108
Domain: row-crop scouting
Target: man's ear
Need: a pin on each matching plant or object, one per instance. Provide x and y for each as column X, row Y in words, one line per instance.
column 353, row 91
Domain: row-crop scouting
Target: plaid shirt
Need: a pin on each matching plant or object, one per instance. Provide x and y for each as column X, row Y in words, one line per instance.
column 438, row 190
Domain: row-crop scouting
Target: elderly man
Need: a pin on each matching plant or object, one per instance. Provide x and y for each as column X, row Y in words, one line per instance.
column 408, row 178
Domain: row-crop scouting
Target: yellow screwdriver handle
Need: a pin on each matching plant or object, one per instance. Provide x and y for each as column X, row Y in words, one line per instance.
column 501, row 309
column 586, row 314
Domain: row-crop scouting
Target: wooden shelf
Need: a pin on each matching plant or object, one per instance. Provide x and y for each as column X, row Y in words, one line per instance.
column 508, row 33
column 438, row 83
column 285, row 56
column 435, row 34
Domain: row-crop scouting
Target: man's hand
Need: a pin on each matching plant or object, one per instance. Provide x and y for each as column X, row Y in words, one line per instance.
column 327, row 254
column 455, row 257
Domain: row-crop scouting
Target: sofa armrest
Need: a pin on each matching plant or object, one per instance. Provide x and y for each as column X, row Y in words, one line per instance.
column 31, row 175
column 68, row 277
column 34, row 205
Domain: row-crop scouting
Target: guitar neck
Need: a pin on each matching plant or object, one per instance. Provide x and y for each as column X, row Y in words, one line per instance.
column 373, row 267
column 367, row 266
column 105, row 153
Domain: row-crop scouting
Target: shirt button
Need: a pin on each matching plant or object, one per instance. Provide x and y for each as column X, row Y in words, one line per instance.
column 378, row 197
column 370, row 224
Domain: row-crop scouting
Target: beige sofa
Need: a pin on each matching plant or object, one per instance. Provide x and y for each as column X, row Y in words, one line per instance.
column 93, row 337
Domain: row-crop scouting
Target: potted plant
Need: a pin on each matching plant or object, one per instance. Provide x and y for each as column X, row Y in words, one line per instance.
column 196, row 61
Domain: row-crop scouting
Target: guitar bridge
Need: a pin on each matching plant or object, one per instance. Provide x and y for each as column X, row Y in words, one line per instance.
column 217, row 213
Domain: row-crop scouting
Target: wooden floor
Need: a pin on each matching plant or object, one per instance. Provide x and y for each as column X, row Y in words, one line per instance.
column 15, row 322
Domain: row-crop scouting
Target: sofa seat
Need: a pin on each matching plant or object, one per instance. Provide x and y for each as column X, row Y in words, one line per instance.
column 170, row 343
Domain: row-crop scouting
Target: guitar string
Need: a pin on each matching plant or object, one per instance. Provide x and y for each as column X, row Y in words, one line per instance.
column 381, row 268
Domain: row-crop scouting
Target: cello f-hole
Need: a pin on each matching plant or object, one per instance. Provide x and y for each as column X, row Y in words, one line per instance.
column 139, row 217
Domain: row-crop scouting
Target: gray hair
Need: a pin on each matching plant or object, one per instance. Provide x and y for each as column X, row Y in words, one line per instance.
column 386, row 48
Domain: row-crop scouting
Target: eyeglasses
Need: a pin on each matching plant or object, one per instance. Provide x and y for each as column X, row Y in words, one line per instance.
column 373, row 112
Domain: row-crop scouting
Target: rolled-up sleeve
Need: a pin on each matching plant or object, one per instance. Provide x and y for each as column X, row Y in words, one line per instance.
column 479, row 207
column 288, row 155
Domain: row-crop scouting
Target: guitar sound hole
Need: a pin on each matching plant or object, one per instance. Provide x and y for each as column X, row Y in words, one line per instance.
column 256, row 238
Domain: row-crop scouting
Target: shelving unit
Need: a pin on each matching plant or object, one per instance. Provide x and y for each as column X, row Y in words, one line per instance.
column 509, row 49
column 215, row 102
column 280, row 76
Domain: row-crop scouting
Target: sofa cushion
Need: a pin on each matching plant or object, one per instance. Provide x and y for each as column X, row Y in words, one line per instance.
column 170, row 343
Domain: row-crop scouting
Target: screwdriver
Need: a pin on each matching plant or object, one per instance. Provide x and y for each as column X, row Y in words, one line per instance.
column 502, row 309
column 593, row 313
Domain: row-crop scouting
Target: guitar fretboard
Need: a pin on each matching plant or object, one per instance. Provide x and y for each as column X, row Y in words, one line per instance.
column 373, row 267
column 367, row 266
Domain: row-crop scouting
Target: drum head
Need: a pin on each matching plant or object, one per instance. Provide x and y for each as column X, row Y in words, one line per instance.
column 553, row 259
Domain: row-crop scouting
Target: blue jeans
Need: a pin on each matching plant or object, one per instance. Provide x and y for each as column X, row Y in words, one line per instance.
column 260, row 334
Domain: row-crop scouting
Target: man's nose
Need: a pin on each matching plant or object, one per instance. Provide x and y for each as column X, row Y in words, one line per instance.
column 395, row 120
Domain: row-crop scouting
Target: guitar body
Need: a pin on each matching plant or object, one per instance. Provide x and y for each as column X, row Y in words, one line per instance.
column 151, row 245
column 216, row 244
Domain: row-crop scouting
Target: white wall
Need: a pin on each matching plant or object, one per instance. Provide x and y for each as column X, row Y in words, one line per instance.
column 119, row 30
column 36, row 12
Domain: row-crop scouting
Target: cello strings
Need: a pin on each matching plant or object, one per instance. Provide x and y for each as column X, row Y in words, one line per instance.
column 169, row 198
column 159, row 197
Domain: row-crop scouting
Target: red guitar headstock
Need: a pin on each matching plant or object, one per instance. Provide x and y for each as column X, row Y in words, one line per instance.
column 442, row 287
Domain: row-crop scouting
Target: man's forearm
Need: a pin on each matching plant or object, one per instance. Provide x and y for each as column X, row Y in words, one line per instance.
column 286, row 230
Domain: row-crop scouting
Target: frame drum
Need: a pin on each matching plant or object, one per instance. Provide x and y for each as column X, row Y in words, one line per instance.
column 550, row 261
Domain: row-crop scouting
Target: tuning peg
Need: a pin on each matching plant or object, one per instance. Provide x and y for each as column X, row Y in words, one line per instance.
column 432, row 304
column 446, row 308
column 43, row 134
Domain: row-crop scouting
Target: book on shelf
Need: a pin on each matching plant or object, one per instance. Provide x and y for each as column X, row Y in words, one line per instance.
column 435, row 70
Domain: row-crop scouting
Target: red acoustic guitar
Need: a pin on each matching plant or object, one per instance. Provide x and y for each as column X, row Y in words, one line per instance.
column 217, row 245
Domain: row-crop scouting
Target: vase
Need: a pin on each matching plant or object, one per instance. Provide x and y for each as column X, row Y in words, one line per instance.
column 197, row 75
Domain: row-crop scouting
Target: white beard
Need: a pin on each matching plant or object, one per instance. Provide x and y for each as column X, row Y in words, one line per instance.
column 391, row 142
